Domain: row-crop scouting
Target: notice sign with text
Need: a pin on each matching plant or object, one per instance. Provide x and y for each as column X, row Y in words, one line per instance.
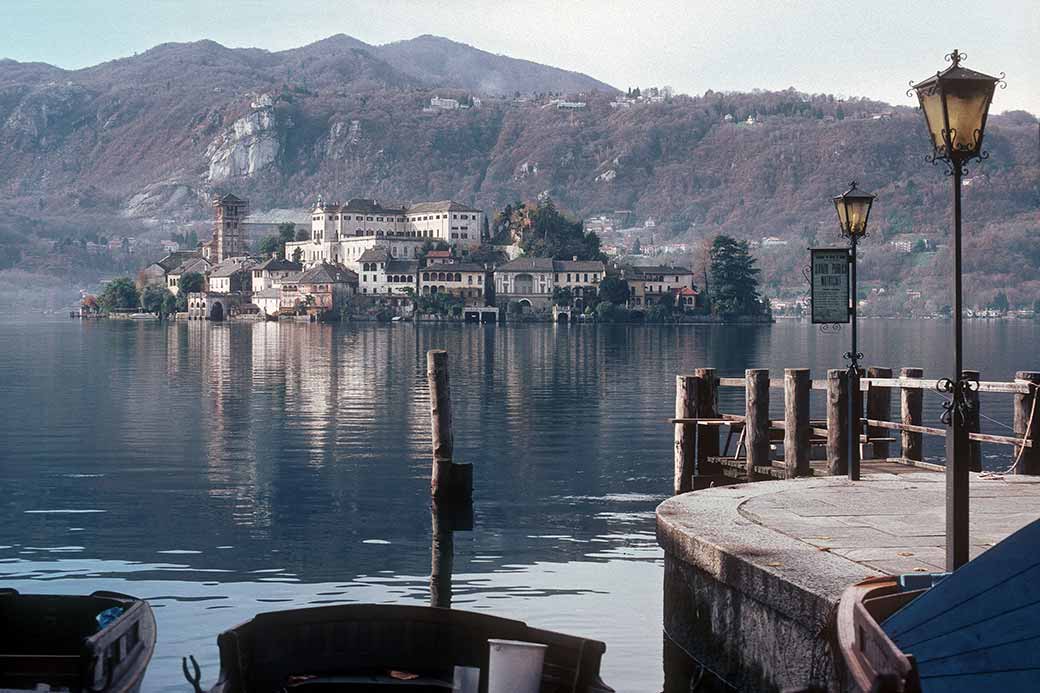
column 830, row 285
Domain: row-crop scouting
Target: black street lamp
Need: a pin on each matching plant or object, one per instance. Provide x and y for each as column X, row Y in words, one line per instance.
column 955, row 103
column 853, row 207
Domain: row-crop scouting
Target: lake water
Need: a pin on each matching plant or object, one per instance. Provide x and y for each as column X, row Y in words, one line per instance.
column 221, row 470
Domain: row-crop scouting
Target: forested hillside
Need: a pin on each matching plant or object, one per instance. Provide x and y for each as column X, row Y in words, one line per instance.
column 136, row 147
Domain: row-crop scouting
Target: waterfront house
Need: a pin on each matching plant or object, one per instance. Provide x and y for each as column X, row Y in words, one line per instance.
column 467, row 281
column 581, row 277
column 647, row 285
column 196, row 264
column 324, row 287
column 157, row 272
column 270, row 272
column 526, row 280
column 231, row 276
column 382, row 274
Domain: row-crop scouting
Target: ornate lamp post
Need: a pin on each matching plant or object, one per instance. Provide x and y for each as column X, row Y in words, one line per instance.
column 955, row 103
column 853, row 207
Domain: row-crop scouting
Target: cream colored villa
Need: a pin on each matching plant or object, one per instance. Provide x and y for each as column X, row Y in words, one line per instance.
column 341, row 233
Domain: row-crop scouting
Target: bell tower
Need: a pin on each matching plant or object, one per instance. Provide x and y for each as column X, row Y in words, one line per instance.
column 228, row 231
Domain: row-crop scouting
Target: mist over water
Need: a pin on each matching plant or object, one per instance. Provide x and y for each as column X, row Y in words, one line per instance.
column 221, row 470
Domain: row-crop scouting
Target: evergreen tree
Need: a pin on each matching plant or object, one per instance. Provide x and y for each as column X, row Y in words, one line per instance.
column 734, row 278
column 119, row 294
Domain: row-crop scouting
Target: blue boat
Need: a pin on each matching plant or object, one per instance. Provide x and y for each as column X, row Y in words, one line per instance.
column 976, row 629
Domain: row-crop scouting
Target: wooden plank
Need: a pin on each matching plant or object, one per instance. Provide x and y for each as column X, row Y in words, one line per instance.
column 893, row 426
column 732, row 382
column 981, row 437
column 920, row 383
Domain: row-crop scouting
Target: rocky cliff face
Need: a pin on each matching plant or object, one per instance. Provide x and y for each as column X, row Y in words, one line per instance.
column 252, row 144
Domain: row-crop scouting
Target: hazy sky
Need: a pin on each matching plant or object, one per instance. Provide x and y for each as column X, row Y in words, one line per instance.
column 851, row 48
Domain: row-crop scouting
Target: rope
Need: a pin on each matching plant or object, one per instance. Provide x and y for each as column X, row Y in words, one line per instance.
column 1029, row 428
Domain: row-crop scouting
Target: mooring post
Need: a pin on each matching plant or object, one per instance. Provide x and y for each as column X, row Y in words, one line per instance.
column 797, row 428
column 973, row 422
column 879, row 407
column 837, row 422
column 756, row 420
column 442, row 558
column 707, row 436
column 1027, row 423
column 687, row 389
column 447, row 479
column 911, row 400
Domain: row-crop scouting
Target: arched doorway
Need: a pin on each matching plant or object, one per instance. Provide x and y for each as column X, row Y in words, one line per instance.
column 525, row 305
column 216, row 311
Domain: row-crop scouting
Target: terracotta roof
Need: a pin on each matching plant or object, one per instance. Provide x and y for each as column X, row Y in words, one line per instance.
column 402, row 266
column 277, row 264
column 192, row 264
column 175, row 259
column 325, row 273
column 528, row 264
column 579, row 266
column 377, row 254
column 231, row 266
column 443, row 206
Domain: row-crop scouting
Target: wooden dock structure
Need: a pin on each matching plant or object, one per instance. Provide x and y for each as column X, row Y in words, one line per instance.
column 820, row 447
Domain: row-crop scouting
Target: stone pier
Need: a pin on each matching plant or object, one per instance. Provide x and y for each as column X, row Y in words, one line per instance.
column 753, row 572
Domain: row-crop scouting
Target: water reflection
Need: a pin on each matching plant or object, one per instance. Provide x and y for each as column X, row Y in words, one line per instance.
column 227, row 469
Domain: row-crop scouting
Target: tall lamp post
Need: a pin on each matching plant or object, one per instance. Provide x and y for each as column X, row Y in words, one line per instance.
column 955, row 103
column 853, row 207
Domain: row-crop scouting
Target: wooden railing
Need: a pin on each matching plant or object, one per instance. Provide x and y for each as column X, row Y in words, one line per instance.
column 700, row 460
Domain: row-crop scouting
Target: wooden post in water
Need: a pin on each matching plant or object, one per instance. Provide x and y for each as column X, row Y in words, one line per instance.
column 442, row 558
column 797, row 386
column 756, row 421
column 879, row 407
column 707, row 407
column 687, row 390
column 910, row 410
column 1027, row 418
column 446, row 518
column 837, row 422
column 973, row 422
column 447, row 479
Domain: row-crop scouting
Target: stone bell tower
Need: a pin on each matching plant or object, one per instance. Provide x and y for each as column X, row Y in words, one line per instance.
column 228, row 230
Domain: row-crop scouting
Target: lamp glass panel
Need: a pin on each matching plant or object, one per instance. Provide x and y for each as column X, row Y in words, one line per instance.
column 843, row 222
column 966, row 105
column 931, row 105
column 858, row 207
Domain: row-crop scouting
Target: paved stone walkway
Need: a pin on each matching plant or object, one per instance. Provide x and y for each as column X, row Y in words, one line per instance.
column 894, row 524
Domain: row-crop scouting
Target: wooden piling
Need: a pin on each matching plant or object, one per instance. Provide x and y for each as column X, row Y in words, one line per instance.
column 447, row 479
column 442, row 558
column 707, row 436
column 910, row 408
column 797, row 427
column 879, row 407
column 756, row 422
column 687, row 391
column 837, row 422
column 1027, row 423
column 973, row 423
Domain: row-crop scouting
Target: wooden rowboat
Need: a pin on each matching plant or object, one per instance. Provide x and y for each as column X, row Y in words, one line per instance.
column 366, row 647
column 58, row 641
column 976, row 629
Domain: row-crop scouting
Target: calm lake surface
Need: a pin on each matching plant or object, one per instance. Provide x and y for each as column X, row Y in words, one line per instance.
column 221, row 470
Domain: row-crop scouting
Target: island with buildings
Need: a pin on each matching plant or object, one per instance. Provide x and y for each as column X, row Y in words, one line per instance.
column 364, row 259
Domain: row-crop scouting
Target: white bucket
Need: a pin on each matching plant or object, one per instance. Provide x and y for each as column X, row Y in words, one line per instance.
column 515, row 666
column 467, row 680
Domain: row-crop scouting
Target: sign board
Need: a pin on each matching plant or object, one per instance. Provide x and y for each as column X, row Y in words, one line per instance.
column 830, row 285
